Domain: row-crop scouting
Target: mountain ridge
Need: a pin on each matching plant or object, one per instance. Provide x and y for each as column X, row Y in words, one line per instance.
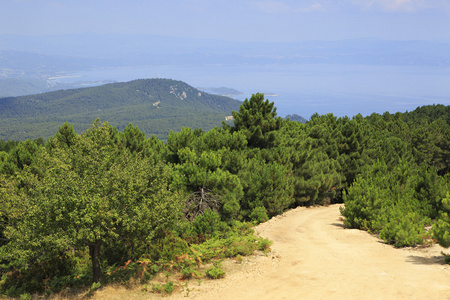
column 154, row 105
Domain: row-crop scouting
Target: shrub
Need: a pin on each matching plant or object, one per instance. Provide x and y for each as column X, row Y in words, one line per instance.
column 242, row 247
column 259, row 215
column 188, row 272
column 264, row 244
column 168, row 287
column 168, row 248
column 206, row 225
column 40, row 277
column 215, row 272
column 441, row 228
column 392, row 204
column 25, row 297
column 156, row 288
column 403, row 229
column 95, row 286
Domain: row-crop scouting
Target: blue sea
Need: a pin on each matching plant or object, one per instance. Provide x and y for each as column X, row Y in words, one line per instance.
column 307, row 89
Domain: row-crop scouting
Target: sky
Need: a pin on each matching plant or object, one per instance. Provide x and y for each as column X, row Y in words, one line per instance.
column 233, row 20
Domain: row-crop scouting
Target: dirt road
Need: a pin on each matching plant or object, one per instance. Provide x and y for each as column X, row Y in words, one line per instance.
column 315, row 257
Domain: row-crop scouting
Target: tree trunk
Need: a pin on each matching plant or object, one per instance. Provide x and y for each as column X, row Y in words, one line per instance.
column 94, row 251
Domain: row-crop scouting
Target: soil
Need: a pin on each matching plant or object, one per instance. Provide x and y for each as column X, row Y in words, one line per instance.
column 314, row 257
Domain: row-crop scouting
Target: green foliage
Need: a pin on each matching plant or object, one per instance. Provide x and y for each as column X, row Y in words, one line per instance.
column 65, row 137
column 216, row 271
column 312, row 153
column 124, row 207
column 156, row 288
column 264, row 244
column 237, row 240
column 25, row 296
column 43, row 277
column 397, row 204
column 156, row 106
column 441, row 228
column 167, row 248
column 259, row 215
column 207, row 186
column 87, row 195
column 267, row 185
column 188, row 272
column 206, row 224
column 257, row 119
column 6, row 146
column 168, row 287
column 402, row 230
column 366, row 197
column 95, row 286
column 429, row 190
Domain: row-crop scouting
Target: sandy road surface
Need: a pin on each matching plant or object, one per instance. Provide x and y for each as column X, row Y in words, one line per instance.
column 314, row 257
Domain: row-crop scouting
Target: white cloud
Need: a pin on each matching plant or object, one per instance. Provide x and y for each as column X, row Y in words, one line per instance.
column 311, row 8
column 271, row 6
column 398, row 5
column 401, row 5
column 276, row 7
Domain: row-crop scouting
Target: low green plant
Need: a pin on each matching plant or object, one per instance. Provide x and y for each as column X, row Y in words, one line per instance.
column 446, row 257
column 167, row 248
column 216, row 271
column 188, row 272
column 95, row 286
column 168, row 287
column 146, row 277
column 156, row 288
column 264, row 244
column 240, row 246
column 186, row 288
column 259, row 215
column 25, row 296
column 239, row 258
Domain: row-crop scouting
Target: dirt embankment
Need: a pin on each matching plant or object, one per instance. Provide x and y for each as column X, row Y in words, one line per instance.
column 315, row 257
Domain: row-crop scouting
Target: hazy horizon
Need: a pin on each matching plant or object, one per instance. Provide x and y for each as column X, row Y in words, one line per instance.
column 344, row 57
column 232, row 20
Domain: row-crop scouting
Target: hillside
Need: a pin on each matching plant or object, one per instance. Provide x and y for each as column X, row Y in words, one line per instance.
column 156, row 106
column 295, row 117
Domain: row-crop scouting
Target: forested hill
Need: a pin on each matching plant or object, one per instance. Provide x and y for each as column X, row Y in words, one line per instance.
column 154, row 105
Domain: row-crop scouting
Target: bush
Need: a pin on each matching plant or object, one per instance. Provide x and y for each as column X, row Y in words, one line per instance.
column 264, row 244
column 441, row 230
column 156, row 288
column 403, row 230
column 388, row 203
column 242, row 247
column 259, row 215
column 206, row 223
column 168, row 287
column 215, row 272
column 167, row 248
column 203, row 227
column 25, row 297
column 95, row 286
column 49, row 276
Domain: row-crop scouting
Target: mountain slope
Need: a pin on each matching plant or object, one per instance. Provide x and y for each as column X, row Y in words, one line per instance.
column 154, row 105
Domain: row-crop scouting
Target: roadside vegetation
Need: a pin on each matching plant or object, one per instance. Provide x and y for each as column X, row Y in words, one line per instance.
column 80, row 211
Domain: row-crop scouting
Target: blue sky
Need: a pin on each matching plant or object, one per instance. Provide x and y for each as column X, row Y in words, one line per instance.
column 234, row 20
